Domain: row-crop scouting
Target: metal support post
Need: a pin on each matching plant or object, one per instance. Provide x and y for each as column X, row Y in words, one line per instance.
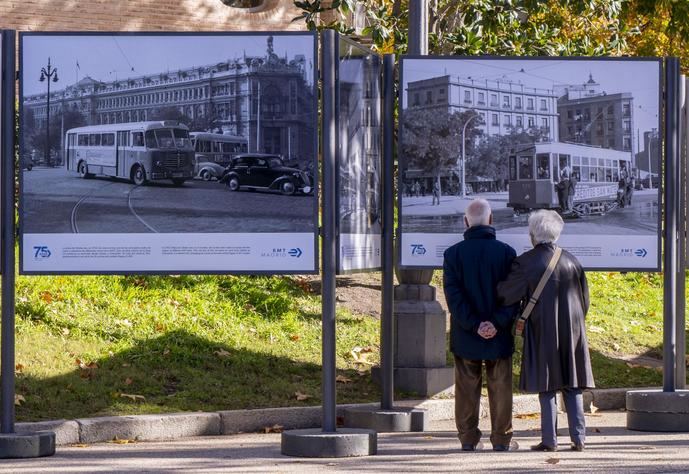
column 12, row 445
column 328, row 441
column 680, row 334
column 387, row 323
column 667, row 410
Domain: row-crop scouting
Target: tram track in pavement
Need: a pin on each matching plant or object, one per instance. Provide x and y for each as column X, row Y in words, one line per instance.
column 92, row 194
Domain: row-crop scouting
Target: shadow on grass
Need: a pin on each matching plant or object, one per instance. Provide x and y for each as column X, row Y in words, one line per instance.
column 176, row 372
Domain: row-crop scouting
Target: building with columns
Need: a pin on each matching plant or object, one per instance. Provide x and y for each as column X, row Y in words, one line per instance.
column 267, row 99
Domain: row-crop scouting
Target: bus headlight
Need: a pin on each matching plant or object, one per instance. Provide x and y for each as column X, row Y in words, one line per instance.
column 159, row 163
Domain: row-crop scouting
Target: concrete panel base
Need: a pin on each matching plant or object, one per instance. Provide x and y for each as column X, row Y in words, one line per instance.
column 425, row 381
column 315, row 443
column 655, row 410
column 398, row 419
column 30, row 445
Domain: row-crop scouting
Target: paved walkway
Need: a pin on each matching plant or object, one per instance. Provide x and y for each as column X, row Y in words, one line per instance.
column 610, row 448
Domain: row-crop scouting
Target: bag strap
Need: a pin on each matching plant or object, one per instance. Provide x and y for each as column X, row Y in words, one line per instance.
column 541, row 284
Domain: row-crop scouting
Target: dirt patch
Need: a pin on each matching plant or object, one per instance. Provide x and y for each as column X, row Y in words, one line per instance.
column 360, row 293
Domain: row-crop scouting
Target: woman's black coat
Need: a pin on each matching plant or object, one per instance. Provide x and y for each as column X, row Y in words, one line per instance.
column 556, row 352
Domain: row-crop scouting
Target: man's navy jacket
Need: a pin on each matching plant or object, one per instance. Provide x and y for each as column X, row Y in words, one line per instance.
column 471, row 272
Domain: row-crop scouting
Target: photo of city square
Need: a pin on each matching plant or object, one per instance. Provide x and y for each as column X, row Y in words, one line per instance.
column 211, row 133
column 528, row 134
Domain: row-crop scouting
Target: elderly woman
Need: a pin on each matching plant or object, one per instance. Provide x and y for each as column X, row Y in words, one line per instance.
column 555, row 355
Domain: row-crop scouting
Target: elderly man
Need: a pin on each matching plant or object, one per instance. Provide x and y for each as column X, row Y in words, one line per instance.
column 556, row 354
column 480, row 329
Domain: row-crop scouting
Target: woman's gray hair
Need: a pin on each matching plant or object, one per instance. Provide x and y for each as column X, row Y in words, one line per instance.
column 545, row 226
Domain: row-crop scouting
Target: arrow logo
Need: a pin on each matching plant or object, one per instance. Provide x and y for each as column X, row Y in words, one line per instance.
column 295, row 252
column 640, row 253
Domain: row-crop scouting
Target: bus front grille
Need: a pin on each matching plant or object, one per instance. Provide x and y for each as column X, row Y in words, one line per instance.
column 173, row 160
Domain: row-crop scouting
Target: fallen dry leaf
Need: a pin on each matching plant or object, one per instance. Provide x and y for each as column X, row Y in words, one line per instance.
column 46, row 296
column 132, row 396
column 360, row 355
column 273, row 429
column 19, row 368
column 528, row 416
column 552, row 460
column 596, row 329
column 222, row 353
column 343, row 379
column 128, row 381
column 117, row 440
column 596, row 430
column 301, row 396
column 79, row 445
column 593, row 408
column 18, row 399
column 295, row 337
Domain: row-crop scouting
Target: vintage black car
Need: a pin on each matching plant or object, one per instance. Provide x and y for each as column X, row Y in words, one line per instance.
column 265, row 171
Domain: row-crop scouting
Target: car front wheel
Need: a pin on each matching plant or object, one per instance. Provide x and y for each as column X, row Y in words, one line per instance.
column 288, row 188
column 206, row 175
column 233, row 183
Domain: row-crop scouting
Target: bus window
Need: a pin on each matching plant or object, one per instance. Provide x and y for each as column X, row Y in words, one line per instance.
column 138, row 139
column 94, row 139
column 181, row 137
column 83, row 140
column 164, row 138
column 151, row 139
column 108, row 139
column 525, row 167
column 216, row 147
column 543, row 166
column 608, row 175
column 513, row 168
column 227, row 147
column 244, row 147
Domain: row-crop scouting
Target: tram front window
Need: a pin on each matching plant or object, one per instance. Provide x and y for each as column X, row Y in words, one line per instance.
column 525, row 167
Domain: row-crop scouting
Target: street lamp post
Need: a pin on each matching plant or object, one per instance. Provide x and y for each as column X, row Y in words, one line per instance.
column 48, row 73
column 464, row 129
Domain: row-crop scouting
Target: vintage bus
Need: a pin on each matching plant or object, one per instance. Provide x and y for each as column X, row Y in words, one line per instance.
column 535, row 170
column 138, row 151
column 217, row 147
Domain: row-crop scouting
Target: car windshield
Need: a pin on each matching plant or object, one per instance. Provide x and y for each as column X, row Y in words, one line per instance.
column 275, row 162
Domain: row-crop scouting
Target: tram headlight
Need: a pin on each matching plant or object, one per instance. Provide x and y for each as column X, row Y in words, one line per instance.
column 159, row 163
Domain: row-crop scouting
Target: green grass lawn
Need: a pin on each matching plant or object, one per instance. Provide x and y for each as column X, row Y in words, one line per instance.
column 90, row 346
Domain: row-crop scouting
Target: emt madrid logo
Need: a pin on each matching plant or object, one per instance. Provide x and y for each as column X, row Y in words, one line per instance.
column 282, row 252
column 418, row 249
column 41, row 252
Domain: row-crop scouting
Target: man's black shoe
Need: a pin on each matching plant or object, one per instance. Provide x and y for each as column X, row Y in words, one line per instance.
column 513, row 446
column 542, row 447
column 577, row 447
column 472, row 447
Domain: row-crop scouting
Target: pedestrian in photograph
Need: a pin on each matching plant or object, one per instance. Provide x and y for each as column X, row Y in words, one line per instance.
column 436, row 193
column 571, row 191
column 480, row 328
column 629, row 190
column 555, row 355
column 562, row 188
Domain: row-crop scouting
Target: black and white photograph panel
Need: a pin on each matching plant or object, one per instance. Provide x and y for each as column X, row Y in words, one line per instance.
column 359, row 155
column 175, row 138
column 578, row 136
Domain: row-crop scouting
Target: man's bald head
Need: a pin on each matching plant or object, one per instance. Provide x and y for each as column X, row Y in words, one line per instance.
column 478, row 213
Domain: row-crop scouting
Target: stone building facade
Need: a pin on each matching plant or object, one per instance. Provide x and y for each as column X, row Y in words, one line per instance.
column 591, row 116
column 269, row 100
column 503, row 105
